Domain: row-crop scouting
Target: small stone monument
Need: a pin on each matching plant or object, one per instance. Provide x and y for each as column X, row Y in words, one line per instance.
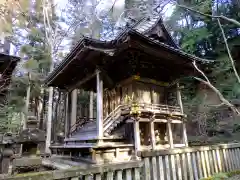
column 32, row 140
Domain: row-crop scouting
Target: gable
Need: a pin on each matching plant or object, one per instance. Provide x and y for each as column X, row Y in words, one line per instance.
column 154, row 29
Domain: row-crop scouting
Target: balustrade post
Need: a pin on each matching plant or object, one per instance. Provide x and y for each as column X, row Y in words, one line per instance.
column 99, row 105
column 184, row 130
column 74, row 108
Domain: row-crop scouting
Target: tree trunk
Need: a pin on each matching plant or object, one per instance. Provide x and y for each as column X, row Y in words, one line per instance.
column 49, row 12
column 27, row 102
column 42, row 115
column 49, row 120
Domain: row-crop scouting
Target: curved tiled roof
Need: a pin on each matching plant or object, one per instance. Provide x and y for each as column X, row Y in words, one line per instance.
column 147, row 24
column 141, row 27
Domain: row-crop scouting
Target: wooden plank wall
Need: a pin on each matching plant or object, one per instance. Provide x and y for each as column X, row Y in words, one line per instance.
column 177, row 164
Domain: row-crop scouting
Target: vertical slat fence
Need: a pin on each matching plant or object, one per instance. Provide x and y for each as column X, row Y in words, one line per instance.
column 192, row 163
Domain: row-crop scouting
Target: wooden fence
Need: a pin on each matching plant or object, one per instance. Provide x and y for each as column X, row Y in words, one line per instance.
column 177, row 164
column 191, row 163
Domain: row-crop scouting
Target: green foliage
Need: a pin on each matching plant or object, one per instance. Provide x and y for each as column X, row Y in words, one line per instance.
column 191, row 38
column 201, row 36
column 221, row 176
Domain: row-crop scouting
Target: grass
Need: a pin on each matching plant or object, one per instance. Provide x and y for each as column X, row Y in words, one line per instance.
column 222, row 176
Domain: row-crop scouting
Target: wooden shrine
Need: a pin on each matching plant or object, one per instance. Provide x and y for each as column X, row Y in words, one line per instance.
column 135, row 79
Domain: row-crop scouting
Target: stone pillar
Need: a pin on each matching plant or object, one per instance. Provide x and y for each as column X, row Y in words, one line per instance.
column 99, row 106
column 91, row 105
column 7, row 160
column 179, row 99
column 74, row 108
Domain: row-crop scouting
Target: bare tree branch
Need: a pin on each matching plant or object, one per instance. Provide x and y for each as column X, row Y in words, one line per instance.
column 210, row 85
column 228, row 51
column 222, row 31
column 196, row 67
column 209, row 15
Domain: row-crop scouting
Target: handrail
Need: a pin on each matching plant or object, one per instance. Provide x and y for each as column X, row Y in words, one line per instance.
column 160, row 106
column 112, row 113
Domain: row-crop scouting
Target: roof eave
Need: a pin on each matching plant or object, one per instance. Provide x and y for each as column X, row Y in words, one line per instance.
column 65, row 61
column 175, row 50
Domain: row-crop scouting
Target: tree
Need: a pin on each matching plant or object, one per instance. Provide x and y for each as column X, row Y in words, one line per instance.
column 201, row 30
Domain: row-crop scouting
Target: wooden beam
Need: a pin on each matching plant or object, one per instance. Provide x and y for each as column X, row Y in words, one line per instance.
column 105, row 75
column 82, row 81
column 144, row 80
column 173, row 121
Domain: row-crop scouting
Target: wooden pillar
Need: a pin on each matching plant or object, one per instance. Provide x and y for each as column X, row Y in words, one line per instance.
column 170, row 136
column 66, row 115
column 185, row 134
column 99, row 105
column 74, row 107
column 153, row 138
column 91, row 105
column 179, row 99
column 136, row 135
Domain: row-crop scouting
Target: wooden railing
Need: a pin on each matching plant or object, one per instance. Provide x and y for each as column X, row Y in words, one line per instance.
column 178, row 164
column 123, row 171
column 159, row 108
column 113, row 117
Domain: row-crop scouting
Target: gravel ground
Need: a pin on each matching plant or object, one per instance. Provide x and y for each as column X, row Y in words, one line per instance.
column 234, row 178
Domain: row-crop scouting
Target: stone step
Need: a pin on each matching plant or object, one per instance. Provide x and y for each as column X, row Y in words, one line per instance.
column 67, row 161
column 84, row 135
column 79, row 145
column 56, row 165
